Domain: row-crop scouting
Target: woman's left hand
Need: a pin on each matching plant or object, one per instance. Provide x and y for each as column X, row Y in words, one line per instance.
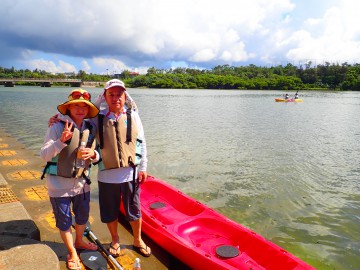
column 88, row 153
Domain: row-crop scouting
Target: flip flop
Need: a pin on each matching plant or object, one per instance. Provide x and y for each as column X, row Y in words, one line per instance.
column 142, row 250
column 89, row 246
column 115, row 255
column 73, row 264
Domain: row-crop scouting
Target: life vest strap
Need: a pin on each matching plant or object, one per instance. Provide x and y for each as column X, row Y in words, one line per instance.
column 48, row 164
column 128, row 130
column 135, row 182
column 116, row 125
column 87, row 179
column 89, row 127
column 101, row 130
column 97, row 162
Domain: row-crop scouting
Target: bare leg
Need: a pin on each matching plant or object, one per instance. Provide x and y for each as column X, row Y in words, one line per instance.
column 113, row 229
column 136, row 229
column 67, row 238
column 79, row 241
column 138, row 242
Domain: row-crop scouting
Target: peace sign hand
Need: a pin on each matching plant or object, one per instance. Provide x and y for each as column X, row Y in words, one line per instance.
column 67, row 133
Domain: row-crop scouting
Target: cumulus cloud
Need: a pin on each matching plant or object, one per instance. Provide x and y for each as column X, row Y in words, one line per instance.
column 66, row 67
column 115, row 35
column 332, row 38
column 85, row 66
column 109, row 65
column 50, row 66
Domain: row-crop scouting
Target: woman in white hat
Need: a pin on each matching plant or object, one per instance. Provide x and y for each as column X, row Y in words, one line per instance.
column 67, row 182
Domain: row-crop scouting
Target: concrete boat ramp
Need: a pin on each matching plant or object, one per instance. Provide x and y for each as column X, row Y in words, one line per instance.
column 28, row 236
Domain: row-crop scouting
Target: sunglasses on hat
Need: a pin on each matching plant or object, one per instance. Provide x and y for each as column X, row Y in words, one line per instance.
column 78, row 94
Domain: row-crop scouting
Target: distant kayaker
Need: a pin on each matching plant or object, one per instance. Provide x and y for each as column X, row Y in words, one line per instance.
column 67, row 181
column 286, row 96
column 296, row 95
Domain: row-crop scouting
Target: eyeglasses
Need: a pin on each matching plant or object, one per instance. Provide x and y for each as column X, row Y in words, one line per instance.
column 77, row 95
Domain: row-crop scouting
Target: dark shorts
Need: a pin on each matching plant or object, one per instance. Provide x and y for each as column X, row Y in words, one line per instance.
column 62, row 210
column 110, row 196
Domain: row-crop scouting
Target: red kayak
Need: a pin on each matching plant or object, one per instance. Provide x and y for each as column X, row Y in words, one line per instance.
column 203, row 238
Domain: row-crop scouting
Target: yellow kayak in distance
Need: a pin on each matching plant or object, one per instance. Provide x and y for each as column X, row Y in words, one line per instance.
column 288, row 100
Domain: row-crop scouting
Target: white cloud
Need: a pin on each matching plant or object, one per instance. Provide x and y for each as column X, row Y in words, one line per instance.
column 203, row 56
column 50, row 66
column 109, row 65
column 115, row 35
column 85, row 66
column 236, row 53
column 66, row 67
column 141, row 70
column 334, row 37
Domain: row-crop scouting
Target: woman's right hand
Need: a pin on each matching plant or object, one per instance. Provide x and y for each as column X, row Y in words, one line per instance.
column 67, row 133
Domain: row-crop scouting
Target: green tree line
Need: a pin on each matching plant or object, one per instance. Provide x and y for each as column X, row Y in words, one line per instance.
column 323, row 76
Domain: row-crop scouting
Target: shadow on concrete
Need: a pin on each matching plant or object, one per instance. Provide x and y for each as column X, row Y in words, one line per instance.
column 25, row 228
column 59, row 249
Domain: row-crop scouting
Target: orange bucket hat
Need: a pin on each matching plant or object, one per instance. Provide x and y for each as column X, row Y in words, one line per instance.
column 77, row 96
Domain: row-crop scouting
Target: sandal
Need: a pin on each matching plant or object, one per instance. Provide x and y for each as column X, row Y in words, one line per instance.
column 144, row 251
column 73, row 264
column 117, row 250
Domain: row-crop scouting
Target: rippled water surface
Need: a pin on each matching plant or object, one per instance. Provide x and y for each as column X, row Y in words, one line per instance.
column 289, row 171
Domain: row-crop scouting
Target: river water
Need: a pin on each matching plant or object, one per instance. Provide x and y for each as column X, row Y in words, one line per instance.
column 288, row 171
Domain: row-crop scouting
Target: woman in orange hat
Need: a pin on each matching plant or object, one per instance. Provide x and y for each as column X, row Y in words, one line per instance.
column 66, row 180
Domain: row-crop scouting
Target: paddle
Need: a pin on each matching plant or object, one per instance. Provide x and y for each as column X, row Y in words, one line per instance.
column 94, row 259
column 88, row 233
column 296, row 94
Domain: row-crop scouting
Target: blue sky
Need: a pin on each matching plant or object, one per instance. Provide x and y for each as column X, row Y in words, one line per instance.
column 110, row 36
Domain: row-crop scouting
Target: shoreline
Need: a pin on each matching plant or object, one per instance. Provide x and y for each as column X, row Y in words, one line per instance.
column 96, row 84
